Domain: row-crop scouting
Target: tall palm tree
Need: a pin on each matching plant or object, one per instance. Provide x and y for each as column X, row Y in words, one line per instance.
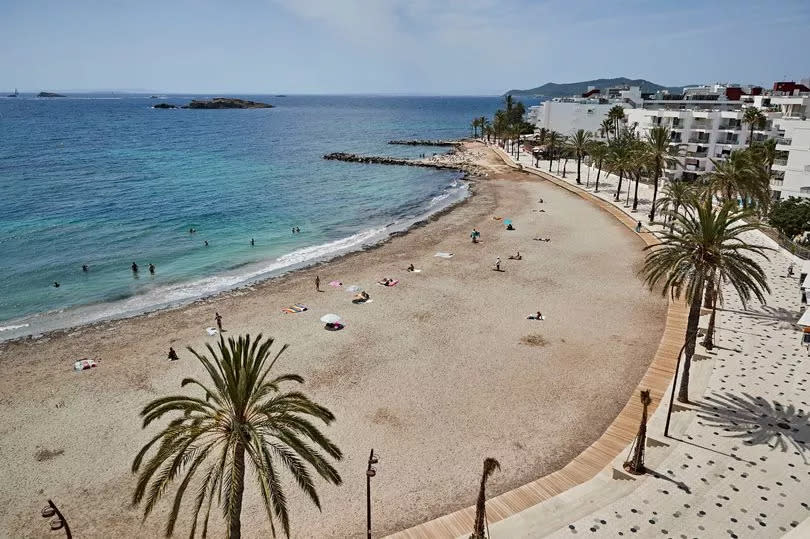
column 619, row 159
column 606, row 128
column 616, row 114
column 474, row 127
column 490, row 465
column 579, row 143
column 243, row 412
column 676, row 194
column 766, row 151
column 755, row 120
column 598, row 151
column 482, row 123
column 661, row 155
column 639, row 162
column 553, row 144
column 706, row 241
column 742, row 174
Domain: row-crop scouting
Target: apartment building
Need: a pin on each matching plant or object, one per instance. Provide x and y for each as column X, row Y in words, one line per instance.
column 568, row 114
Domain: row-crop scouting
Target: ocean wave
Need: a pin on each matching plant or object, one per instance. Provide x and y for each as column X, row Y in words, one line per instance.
column 14, row 326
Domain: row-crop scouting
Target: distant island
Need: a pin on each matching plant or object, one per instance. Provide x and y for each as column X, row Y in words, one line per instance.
column 553, row 89
column 164, row 106
column 49, row 94
column 225, row 103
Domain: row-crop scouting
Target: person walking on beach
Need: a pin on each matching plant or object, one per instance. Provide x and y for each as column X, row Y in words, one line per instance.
column 134, row 267
column 317, row 283
column 151, row 268
column 498, row 264
column 638, row 227
column 218, row 318
column 172, row 354
column 474, row 235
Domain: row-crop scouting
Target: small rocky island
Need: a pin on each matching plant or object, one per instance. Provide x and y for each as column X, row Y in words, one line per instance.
column 225, row 103
column 164, row 106
column 49, row 94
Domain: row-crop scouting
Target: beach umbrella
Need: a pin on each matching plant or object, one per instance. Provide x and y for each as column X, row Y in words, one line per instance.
column 330, row 318
column 507, row 221
column 354, row 288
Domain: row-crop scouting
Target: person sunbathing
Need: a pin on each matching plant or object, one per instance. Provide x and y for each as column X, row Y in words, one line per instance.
column 386, row 281
column 411, row 268
column 333, row 326
column 510, row 227
column 362, row 297
column 538, row 316
column 541, row 239
column 516, row 256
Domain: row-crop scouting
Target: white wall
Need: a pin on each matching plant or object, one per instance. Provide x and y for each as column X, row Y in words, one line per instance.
column 797, row 169
column 567, row 118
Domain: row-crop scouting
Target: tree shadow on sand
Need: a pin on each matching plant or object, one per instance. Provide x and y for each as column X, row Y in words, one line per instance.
column 756, row 421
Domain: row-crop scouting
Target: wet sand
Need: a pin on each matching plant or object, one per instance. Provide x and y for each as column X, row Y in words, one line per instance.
column 435, row 374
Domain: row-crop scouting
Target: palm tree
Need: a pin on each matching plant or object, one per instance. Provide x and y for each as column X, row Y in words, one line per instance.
column 676, row 194
column 606, row 128
column 616, row 114
column 742, row 174
column 755, row 120
column 598, row 151
column 243, row 411
column 619, row 159
column 706, row 241
column 661, row 155
column 553, row 143
column 490, row 465
column 766, row 152
column 482, row 123
column 579, row 143
column 565, row 153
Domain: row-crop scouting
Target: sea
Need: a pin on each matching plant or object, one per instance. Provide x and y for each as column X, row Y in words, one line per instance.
column 105, row 180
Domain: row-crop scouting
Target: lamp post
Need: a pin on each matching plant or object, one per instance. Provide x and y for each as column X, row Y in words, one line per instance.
column 370, row 472
column 59, row 522
column 672, row 395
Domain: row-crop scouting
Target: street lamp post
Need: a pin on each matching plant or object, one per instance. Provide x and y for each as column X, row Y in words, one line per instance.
column 672, row 395
column 370, row 472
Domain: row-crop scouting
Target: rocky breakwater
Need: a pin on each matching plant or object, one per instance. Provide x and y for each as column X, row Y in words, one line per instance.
column 424, row 142
column 226, row 103
column 450, row 161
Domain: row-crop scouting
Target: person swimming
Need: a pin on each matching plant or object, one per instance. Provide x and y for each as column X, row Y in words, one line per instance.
column 134, row 267
column 205, row 243
column 85, row 268
column 151, row 268
column 252, row 243
column 56, row 284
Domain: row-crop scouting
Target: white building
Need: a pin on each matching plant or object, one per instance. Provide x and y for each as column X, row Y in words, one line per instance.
column 569, row 114
column 701, row 135
column 792, row 165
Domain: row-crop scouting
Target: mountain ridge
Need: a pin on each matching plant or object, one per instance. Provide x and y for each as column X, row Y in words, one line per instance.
column 554, row 89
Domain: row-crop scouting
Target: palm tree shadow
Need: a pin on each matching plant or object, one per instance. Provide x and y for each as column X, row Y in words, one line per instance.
column 756, row 421
column 769, row 316
column 680, row 484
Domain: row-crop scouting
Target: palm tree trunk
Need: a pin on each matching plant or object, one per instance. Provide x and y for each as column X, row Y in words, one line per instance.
column 691, row 340
column 708, row 342
column 565, row 164
column 550, row 160
column 619, row 189
column 708, row 296
column 579, row 164
column 235, row 509
column 598, row 173
column 635, row 195
column 655, row 196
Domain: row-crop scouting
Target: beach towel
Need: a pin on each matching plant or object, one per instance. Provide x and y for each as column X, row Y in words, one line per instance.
column 211, row 331
column 336, row 284
column 84, row 364
column 362, row 301
column 497, row 218
column 416, row 271
column 296, row 308
column 444, row 255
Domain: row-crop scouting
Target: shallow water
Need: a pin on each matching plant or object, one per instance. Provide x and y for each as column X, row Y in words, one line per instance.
column 106, row 182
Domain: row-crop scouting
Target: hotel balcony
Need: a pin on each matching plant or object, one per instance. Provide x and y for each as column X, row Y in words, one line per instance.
column 728, row 141
column 729, row 127
column 698, row 154
column 776, row 183
column 783, row 144
column 698, row 140
column 702, row 126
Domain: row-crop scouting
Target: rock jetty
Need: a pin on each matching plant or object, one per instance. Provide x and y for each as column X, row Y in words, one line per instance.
column 384, row 160
column 424, row 142
column 164, row 106
column 225, row 103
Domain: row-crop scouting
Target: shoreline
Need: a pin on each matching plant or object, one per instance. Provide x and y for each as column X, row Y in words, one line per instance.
column 467, row 178
column 435, row 374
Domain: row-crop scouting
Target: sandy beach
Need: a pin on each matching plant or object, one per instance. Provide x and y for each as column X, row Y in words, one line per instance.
column 435, row 374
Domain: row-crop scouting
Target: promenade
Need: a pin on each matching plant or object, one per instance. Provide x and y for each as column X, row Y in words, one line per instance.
column 735, row 464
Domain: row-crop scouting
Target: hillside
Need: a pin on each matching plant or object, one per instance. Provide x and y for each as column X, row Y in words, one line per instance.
column 553, row 89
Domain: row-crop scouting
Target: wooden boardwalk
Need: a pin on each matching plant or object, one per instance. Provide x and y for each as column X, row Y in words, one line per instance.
column 602, row 452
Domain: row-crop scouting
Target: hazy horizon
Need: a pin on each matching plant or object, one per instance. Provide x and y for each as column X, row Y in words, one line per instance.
column 417, row 47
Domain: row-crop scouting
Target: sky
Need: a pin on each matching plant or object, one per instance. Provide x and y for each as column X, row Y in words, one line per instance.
column 435, row 47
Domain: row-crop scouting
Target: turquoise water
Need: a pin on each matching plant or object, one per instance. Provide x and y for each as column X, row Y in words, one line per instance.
column 108, row 181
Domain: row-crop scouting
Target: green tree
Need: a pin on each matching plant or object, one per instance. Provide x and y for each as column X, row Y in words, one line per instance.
column 553, row 145
column 598, row 151
column 579, row 144
column 606, row 128
column 676, row 195
column 616, row 115
column 661, row 156
column 755, row 120
column 706, row 241
column 243, row 411
column 791, row 216
column 474, row 127
column 766, row 152
column 620, row 159
column 490, row 465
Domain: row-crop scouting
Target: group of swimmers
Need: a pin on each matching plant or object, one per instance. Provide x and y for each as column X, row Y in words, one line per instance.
column 134, row 267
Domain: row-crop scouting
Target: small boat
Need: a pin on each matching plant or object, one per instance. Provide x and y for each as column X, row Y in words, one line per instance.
column 15, row 94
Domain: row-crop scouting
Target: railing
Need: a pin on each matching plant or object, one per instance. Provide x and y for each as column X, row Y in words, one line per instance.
column 785, row 242
column 697, row 154
column 784, row 141
column 728, row 141
column 729, row 127
column 780, row 162
column 699, row 140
